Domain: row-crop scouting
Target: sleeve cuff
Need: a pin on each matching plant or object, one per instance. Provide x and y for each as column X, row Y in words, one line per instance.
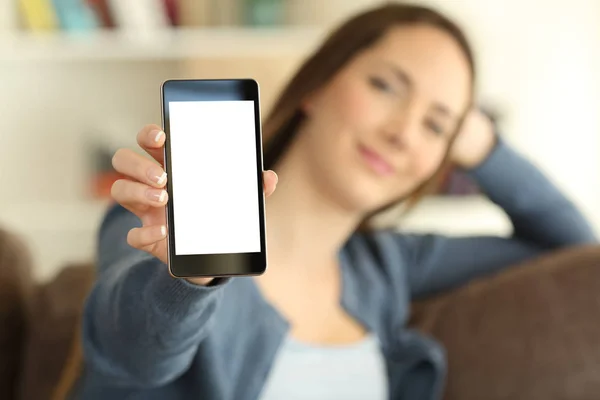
column 177, row 297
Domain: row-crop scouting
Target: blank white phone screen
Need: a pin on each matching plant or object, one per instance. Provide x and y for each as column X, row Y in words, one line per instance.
column 214, row 177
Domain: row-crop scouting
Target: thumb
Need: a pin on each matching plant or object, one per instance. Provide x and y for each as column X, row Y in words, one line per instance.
column 270, row 179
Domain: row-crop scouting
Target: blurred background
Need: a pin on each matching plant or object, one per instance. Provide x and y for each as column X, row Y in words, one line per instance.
column 79, row 78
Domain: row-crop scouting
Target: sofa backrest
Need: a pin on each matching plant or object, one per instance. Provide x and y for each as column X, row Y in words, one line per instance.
column 531, row 332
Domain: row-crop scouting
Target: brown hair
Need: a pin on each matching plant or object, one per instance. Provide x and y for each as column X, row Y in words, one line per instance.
column 361, row 31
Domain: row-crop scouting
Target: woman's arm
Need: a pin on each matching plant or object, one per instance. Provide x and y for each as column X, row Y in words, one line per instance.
column 141, row 327
column 540, row 213
column 542, row 217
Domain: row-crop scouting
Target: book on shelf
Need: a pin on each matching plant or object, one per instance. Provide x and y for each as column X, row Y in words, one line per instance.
column 199, row 13
column 102, row 174
column 264, row 12
column 100, row 144
column 38, row 15
column 75, row 15
column 172, row 10
column 194, row 13
column 140, row 15
column 103, row 12
column 86, row 15
column 227, row 12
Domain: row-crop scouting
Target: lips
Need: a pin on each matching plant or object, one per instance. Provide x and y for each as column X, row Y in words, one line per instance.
column 375, row 161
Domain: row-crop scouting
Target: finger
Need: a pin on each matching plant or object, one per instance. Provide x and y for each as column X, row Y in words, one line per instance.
column 146, row 237
column 137, row 197
column 152, row 139
column 270, row 179
column 139, row 168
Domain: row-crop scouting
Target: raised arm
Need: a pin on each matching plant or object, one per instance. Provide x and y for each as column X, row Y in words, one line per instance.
column 543, row 219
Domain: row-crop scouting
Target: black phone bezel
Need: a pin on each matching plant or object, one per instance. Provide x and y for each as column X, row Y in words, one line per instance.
column 213, row 265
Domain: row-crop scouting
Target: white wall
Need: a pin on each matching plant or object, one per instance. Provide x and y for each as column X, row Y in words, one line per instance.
column 50, row 109
column 540, row 60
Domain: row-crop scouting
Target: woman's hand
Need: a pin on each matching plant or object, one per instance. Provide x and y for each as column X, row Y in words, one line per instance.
column 143, row 193
column 474, row 142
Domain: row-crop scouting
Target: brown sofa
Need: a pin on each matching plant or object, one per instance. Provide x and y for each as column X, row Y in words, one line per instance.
column 39, row 345
column 15, row 289
column 531, row 332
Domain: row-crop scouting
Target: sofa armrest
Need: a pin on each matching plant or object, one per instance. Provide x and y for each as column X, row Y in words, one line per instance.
column 530, row 332
column 52, row 348
column 16, row 284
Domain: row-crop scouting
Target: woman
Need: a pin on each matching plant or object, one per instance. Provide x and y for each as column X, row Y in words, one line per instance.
column 368, row 120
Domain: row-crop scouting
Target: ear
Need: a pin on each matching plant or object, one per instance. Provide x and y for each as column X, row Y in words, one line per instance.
column 307, row 105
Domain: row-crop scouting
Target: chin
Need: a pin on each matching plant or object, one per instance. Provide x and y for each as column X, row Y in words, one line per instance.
column 353, row 187
column 359, row 198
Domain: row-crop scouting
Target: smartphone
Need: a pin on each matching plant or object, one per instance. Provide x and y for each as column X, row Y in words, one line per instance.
column 214, row 165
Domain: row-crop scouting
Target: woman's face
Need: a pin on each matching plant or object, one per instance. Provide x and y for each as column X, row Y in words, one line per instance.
column 382, row 125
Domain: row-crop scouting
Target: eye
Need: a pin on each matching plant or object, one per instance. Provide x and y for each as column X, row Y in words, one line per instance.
column 434, row 127
column 381, row 85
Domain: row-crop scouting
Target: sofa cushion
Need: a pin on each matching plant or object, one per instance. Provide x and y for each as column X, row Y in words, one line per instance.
column 531, row 332
column 15, row 285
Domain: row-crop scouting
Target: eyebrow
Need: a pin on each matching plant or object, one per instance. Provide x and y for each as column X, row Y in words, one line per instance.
column 442, row 109
column 401, row 75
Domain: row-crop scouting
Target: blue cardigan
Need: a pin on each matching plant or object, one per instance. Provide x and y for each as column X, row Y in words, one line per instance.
column 148, row 336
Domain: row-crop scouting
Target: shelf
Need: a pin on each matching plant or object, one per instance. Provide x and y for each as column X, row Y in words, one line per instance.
column 171, row 44
column 469, row 215
column 79, row 217
column 459, row 215
column 61, row 233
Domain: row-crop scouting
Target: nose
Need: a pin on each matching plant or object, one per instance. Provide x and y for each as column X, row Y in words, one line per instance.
column 402, row 131
column 394, row 138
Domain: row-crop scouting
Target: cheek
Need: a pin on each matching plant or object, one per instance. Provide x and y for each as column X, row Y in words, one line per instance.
column 352, row 103
column 428, row 160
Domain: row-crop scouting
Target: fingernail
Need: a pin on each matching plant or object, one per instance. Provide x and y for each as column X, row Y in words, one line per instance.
column 163, row 231
column 158, row 135
column 158, row 196
column 157, row 175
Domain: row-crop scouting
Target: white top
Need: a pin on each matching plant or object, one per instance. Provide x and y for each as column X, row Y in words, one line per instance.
column 311, row 372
